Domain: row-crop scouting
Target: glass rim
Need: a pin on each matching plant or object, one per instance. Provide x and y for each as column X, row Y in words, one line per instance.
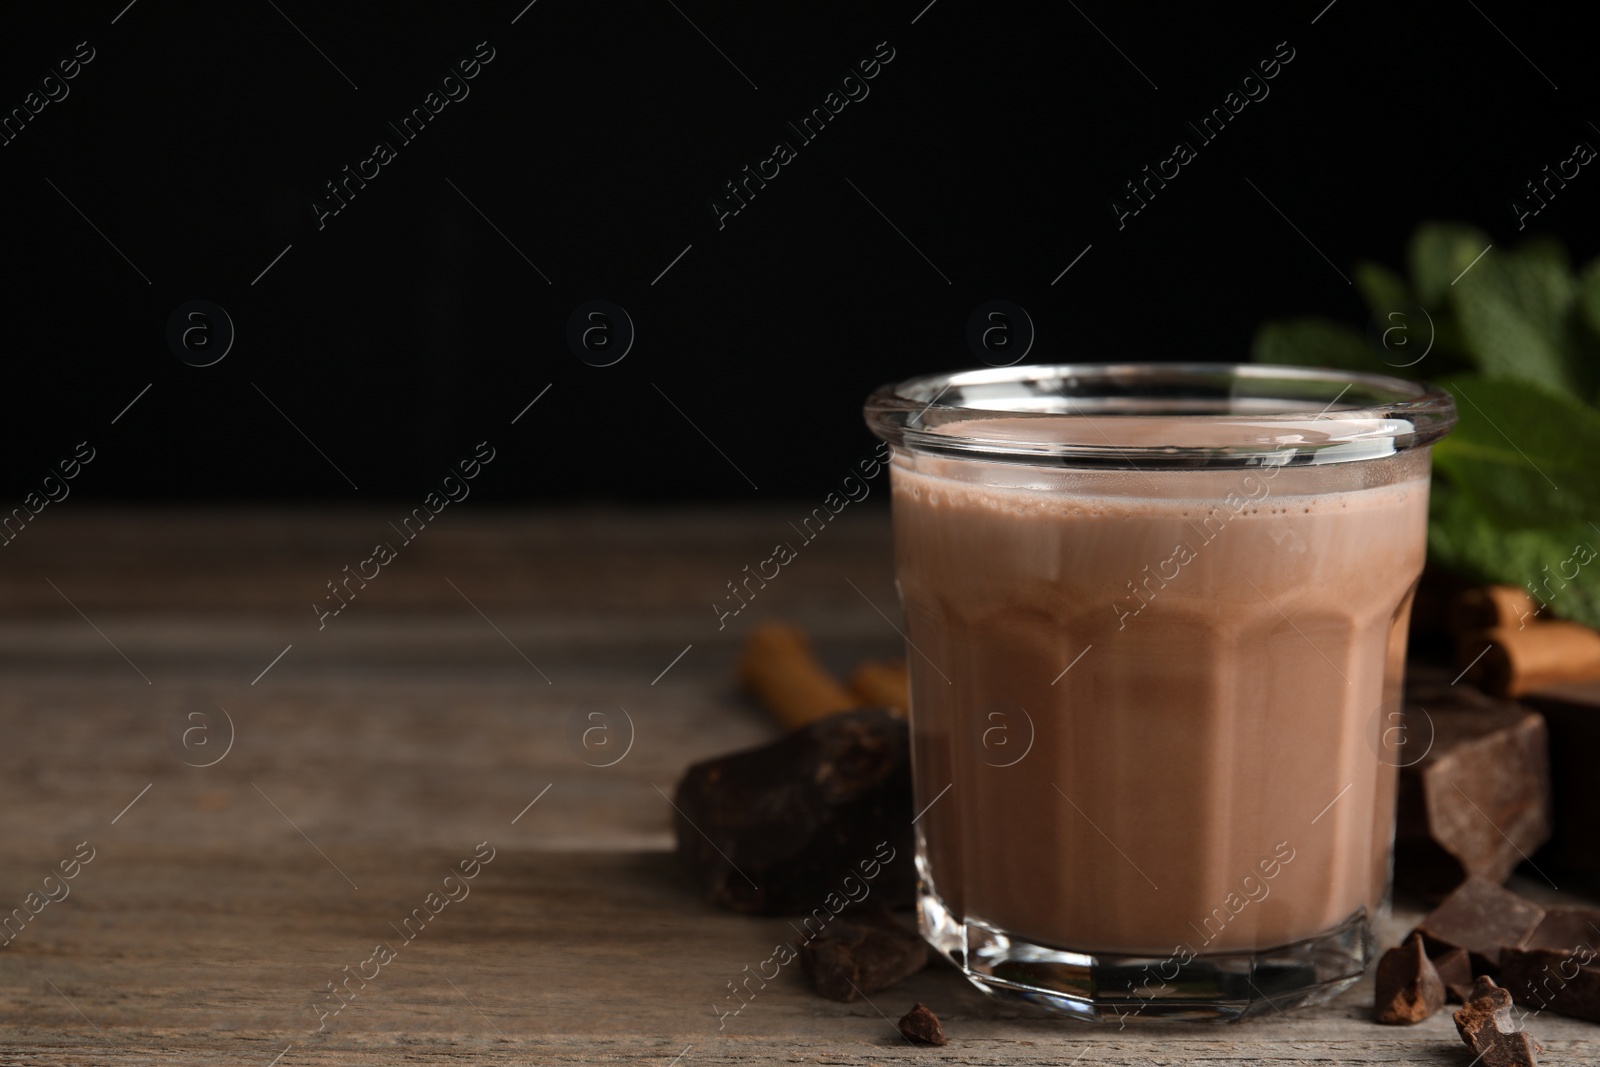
column 1183, row 414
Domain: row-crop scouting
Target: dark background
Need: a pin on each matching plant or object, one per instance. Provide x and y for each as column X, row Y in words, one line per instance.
column 407, row 329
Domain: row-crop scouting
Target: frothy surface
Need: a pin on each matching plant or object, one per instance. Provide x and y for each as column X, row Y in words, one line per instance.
column 1157, row 432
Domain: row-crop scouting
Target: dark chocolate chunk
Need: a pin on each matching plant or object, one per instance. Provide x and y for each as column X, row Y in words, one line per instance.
column 1478, row 802
column 1482, row 918
column 860, row 952
column 922, row 1026
column 1485, row 1024
column 1572, row 715
column 793, row 826
column 1455, row 970
column 1408, row 989
column 1566, row 930
column 1556, row 969
column 1553, row 981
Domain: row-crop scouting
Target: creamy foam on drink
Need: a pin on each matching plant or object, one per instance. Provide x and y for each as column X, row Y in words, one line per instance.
column 1206, row 773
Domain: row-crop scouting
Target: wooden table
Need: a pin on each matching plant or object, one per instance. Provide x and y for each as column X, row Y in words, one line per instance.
column 378, row 752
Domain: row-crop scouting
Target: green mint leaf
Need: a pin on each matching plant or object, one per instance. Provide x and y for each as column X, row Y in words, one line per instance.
column 1519, row 318
column 1584, row 332
column 1439, row 252
column 1556, row 564
column 1589, row 296
column 1409, row 340
column 1547, row 249
column 1504, row 343
column 1314, row 342
column 1382, row 289
column 1535, row 278
column 1524, row 456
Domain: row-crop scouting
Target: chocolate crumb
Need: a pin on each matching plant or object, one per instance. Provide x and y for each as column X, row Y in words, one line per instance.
column 1408, row 988
column 1486, row 1026
column 921, row 1026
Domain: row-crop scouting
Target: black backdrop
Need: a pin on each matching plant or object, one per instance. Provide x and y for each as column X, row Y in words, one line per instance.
column 426, row 314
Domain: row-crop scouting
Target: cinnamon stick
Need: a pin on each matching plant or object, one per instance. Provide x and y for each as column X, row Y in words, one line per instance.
column 779, row 669
column 1513, row 661
column 1493, row 607
column 882, row 685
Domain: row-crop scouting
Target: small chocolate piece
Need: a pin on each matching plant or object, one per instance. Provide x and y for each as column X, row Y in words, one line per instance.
column 1485, row 1024
column 1408, row 989
column 1478, row 802
column 1482, row 918
column 860, row 952
column 1455, row 970
column 788, row 827
column 1556, row 969
column 922, row 1026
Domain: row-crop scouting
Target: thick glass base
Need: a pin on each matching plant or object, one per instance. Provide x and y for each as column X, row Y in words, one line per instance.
column 1222, row 987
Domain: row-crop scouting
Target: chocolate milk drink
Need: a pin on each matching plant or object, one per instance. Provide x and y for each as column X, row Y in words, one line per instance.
column 1204, row 772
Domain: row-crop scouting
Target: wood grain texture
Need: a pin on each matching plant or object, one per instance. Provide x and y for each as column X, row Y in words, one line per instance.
column 381, row 750
column 206, row 955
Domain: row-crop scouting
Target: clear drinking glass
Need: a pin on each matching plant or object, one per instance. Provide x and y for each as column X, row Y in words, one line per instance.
column 1156, row 622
